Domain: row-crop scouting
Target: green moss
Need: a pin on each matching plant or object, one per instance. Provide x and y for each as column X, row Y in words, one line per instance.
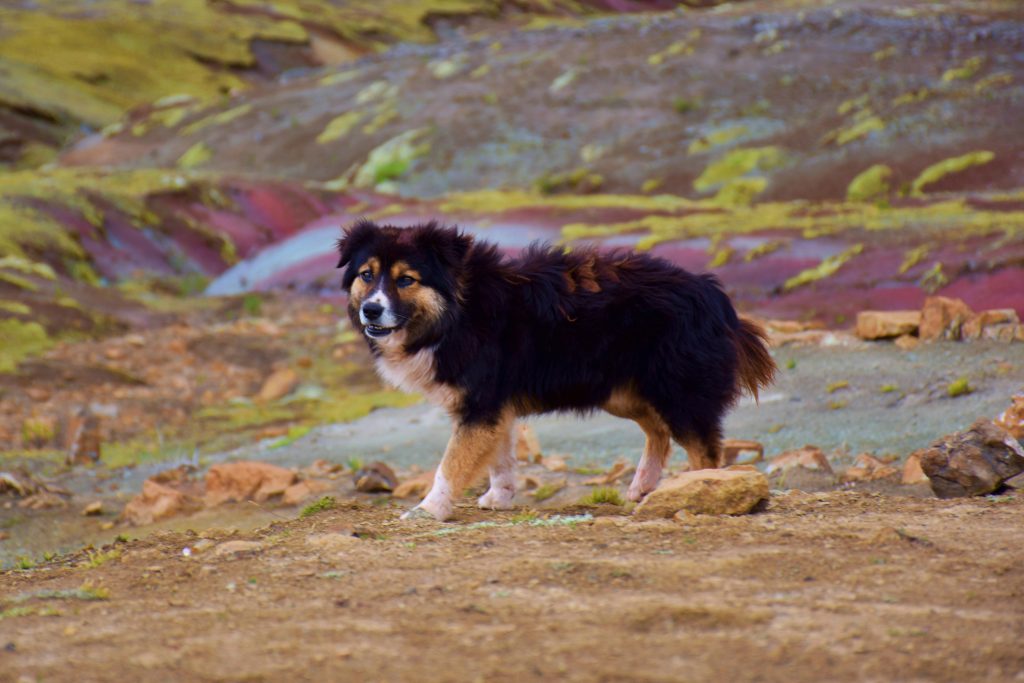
column 823, row 270
column 739, row 163
column 545, row 491
column 325, row 503
column 339, row 126
column 196, row 155
column 859, row 129
column 721, row 257
column 603, row 495
column 870, row 185
column 579, row 180
column 218, row 119
column 946, row 167
column 959, row 387
column 965, row 71
column 934, row 278
column 392, row 159
column 740, row 192
column 716, row 138
column 15, row 307
column 20, row 340
column 913, row 256
column 684, row 105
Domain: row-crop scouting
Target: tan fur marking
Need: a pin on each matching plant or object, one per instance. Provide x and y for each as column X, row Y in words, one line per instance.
column 471, row 449
column 400, row 268
column 424, row 299
column 699, row 455
column 414, row 373
column 657, row 448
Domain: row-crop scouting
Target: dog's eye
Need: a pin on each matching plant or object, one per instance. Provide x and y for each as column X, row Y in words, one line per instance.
column 404, row 281
column 366, row 275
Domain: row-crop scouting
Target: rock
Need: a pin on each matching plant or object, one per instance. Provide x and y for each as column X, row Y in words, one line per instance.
column 705, row 492
column 1004, row 333
column 246, row 480
column 156, row 502
column 887, row 324
column 332, row 542
column 527, row 444
column 92, row 509
column 376, row 477
column 235, row 549
column 323, row 468
column 907, row 342
column 943, row 318
column 278, row 385
column 296, row 493
column 808, row 457
column 912, row 472
column 43, row 500
column 620, row 469
column 1012, row 419
column 416, row 487
column 38, row 394
column 977, row 325
column 84, row 439
column 866, row 467
column 974, row 462
column 1016, row 482
column 555, row 463
column 733, row 450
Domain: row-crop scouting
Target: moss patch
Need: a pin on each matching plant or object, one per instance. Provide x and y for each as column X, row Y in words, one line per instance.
column 870, row 185
column 739, row 163
column 823, row 270
column 20, row 340
column 946, row 167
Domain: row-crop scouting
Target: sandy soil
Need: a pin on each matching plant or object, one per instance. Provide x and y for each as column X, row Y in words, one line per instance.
column 834, row 586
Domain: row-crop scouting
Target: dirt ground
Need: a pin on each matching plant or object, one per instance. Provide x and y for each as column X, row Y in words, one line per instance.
column 837, row 586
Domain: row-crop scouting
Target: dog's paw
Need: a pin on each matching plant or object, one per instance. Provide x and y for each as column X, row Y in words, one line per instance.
column 497, row 499
column 427, row 510
column 417, row 513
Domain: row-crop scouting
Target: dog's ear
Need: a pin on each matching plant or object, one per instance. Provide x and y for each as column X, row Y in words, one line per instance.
column 449, row 245
column 356, row 237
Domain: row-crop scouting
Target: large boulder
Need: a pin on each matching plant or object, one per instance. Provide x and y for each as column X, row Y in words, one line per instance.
column 156, row 502
column 943, row 318
column 974, row 462
column 887, row 324
column 705, row 492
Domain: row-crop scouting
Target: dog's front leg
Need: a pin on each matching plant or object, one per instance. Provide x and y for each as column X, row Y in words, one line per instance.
column 503, row 475
column 469, row 449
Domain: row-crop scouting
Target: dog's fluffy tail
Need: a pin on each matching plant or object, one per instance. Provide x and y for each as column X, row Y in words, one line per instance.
column 757, row 368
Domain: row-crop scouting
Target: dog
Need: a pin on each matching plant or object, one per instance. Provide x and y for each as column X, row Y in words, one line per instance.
column 492, row 339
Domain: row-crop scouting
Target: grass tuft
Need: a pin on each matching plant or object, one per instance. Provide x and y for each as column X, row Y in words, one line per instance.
column 603, row 495
column 325, row 503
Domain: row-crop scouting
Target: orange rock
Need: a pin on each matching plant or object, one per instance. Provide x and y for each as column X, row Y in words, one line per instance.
column 733, row 448
column 555, row 463
column 296, row 493
column 1004, row 332
column 912, row 472
column 619, row 470
column 156, row 502
column 323, row 468
column 278, row 385
column 527, row 444
column 907, row 342
column 1012, row 419
column 705, row 492
column 943, row 318
column 39, row 394
column 808, row 457
column 416, row 487
column 887, row 324
column 975, row 327
column 868, row 468
column 246, row 480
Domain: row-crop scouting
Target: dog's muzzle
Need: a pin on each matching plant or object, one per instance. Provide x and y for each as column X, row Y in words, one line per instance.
column 377, row 320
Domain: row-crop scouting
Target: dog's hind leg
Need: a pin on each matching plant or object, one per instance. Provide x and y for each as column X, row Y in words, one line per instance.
column 657, row 449
column 469, row 449
column 503, row 475
column 704, row 452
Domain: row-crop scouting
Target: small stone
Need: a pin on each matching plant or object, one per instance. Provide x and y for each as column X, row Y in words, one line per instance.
column 43, row 500
column 296, row 493
column 114, row 353
column 278, row 385
column 707, row 492
column 808, row 457
column 555, row 463
column 740, row 450
column 1012, row 419
column 323, row 468
column 376, row 477
column 38, row 394
column 974, row 462
column 92, row 509
column 943, row 318
column 156, row 502
column 907, row 342
column 620, row 469
column 912, row 472
column 237, row 548
column 246, row 480
column 416, row 487
column 868, row 468
column 527, row 444
column 887, row 324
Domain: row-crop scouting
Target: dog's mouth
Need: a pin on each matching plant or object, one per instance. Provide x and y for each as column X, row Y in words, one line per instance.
column 377, row 331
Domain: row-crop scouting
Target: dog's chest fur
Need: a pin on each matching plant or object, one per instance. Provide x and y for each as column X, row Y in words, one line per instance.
column 415, row 373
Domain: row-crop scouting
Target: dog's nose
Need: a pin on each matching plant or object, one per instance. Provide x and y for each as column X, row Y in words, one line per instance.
column 372, row 310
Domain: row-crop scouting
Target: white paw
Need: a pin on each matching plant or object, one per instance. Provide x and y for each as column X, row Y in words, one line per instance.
column 497, row 499
column 643, row 483
column 428, row 510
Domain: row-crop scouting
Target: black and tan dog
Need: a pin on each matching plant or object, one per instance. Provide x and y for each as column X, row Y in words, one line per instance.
column 491, row 339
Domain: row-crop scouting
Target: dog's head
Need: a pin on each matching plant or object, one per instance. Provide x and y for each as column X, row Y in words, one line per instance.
column 402, row 282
